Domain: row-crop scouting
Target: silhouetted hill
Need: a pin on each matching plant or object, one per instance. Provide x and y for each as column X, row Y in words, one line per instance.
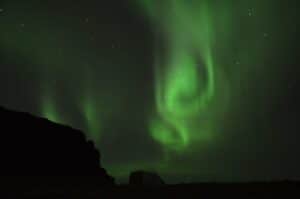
column 32, row 146
column 145, row 178
column 282, row 190
column 51, row 156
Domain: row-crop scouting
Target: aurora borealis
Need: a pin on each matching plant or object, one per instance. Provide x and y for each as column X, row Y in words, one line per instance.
column 196, row 90
column 186, row 78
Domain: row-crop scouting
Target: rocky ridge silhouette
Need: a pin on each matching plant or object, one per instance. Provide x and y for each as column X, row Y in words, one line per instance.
column 33, row 146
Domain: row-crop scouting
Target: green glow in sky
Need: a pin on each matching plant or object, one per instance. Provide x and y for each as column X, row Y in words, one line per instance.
column 92, row 117
column 183, row 87
column 185, row 82
column 49, row 110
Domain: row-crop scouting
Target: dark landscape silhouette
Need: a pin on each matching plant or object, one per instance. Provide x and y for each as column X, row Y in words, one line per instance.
column 42, row 159
column 32, row 146
column 140, row 178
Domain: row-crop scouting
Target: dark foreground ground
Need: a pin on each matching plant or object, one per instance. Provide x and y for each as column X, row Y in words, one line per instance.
column 201, row 190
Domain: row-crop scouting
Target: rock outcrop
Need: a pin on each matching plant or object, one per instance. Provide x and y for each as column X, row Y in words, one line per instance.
column 32, row 146
column 144, row 178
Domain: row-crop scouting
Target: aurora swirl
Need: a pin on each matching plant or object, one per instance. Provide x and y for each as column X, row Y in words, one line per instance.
column 197, row 90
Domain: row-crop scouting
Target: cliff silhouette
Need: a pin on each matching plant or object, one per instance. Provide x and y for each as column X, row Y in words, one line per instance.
column 42, row 159
column 33, row 146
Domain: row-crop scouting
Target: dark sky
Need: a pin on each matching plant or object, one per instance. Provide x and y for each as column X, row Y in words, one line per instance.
column 196, row 91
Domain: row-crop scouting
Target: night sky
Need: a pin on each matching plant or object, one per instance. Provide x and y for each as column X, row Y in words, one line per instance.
column 197, row 90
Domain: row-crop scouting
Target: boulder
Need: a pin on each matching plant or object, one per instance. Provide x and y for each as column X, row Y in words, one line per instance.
column 144, row 178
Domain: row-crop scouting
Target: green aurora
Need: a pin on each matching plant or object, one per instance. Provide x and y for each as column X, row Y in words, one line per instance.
column 204, row 66
column 186, row 77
